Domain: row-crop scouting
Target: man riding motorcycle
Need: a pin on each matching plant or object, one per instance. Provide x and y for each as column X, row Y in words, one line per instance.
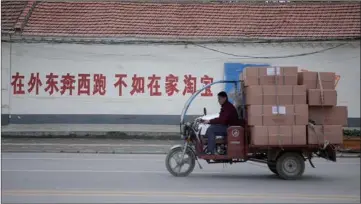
column 228, row 116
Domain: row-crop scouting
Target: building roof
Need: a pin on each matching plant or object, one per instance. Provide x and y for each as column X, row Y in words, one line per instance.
column 162, row 20
column 10, row 12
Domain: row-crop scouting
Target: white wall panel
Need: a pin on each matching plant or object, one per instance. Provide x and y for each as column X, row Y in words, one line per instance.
column 145, row 60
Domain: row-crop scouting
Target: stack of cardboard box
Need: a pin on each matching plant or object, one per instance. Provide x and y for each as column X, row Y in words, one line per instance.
column 327, row 119
column 276, row 106
column 287, row 107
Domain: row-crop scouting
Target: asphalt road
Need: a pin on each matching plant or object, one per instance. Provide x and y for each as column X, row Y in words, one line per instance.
column 120, row 178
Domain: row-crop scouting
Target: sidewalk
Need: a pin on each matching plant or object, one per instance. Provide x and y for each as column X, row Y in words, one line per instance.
column 96, row 138
column 105, row 146
column 82, row 145
column 118, row 131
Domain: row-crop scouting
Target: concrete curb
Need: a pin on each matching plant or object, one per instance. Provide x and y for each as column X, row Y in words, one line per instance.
column 95, row 135
column 128, row 152
column 343, row 155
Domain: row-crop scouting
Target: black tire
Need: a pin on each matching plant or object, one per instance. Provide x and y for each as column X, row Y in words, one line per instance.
column 272, row 167
column 290, row 166
column 190, row 155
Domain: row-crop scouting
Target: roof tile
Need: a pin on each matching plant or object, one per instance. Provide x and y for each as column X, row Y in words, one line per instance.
column 195, row 20
column 10, row 12
column 25, row 14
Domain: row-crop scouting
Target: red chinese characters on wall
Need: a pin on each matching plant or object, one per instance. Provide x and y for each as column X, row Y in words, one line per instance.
column 34, row 82
column 52, row 83
column 190, row 83
column 100, row 82
column 67, row 84
column 137, row 85
column 207, row 80
column 120, row 83
column 85, row 84
column 154, row 86
column 18, row 84
column 171, row 83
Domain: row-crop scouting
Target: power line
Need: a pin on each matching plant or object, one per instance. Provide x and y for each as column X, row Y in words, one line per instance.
column 270, row 57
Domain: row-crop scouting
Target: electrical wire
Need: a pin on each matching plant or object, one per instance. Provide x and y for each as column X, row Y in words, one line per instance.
column 270, row 57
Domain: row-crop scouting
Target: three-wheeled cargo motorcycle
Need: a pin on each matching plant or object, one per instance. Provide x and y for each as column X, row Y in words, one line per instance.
column 288, row 162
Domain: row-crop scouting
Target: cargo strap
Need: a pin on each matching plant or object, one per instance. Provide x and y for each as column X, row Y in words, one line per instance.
column 312, row 127
column 262, row 107
column 279, row 138
column 321, row 89
column 268, row 136
column 326, row 142
column 293, row 96
column 294, row 115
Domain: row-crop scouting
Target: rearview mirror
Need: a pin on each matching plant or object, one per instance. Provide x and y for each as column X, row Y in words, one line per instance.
column 204, row 111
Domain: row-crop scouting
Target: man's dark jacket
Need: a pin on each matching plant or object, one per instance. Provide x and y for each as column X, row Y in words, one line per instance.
column 228, row 116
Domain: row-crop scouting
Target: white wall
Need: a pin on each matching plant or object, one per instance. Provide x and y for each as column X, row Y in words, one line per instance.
column 5, row 78
column 160, row 60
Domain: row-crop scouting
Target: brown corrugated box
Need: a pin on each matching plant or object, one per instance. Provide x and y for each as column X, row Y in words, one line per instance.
column 336, row 115
column 267, row 94
column 310, row 79
column 317, row 134
column 278, row 135
column 329, row 97
column 269, row 76
column 284, row 115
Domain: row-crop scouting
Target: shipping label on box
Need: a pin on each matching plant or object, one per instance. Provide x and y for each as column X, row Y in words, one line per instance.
column 278, row 110
column 271, row 71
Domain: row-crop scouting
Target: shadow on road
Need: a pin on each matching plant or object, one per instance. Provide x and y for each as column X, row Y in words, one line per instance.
column 250, row 177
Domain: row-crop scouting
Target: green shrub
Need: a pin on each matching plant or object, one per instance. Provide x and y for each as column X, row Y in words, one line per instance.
column 352, row 133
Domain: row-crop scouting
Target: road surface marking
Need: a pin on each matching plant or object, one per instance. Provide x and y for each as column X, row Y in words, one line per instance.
column 177, row 194
column 77, row 155
column 89, row 145
column 90, row 159
column 101, row 171
column 139, row 158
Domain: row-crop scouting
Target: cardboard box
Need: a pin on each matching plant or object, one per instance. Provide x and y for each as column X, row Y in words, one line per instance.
column 318, row 134
column 336, row 115
column 269, row 76
column 268, row 94
column 310, row 79
column 278, row 135
column 314, row 97
column 258, row 115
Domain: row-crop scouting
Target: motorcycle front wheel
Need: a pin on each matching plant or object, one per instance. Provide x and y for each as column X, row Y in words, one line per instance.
column 182, row 168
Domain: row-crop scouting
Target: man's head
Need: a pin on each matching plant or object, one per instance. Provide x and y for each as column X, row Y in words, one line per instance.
column 222, row 97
